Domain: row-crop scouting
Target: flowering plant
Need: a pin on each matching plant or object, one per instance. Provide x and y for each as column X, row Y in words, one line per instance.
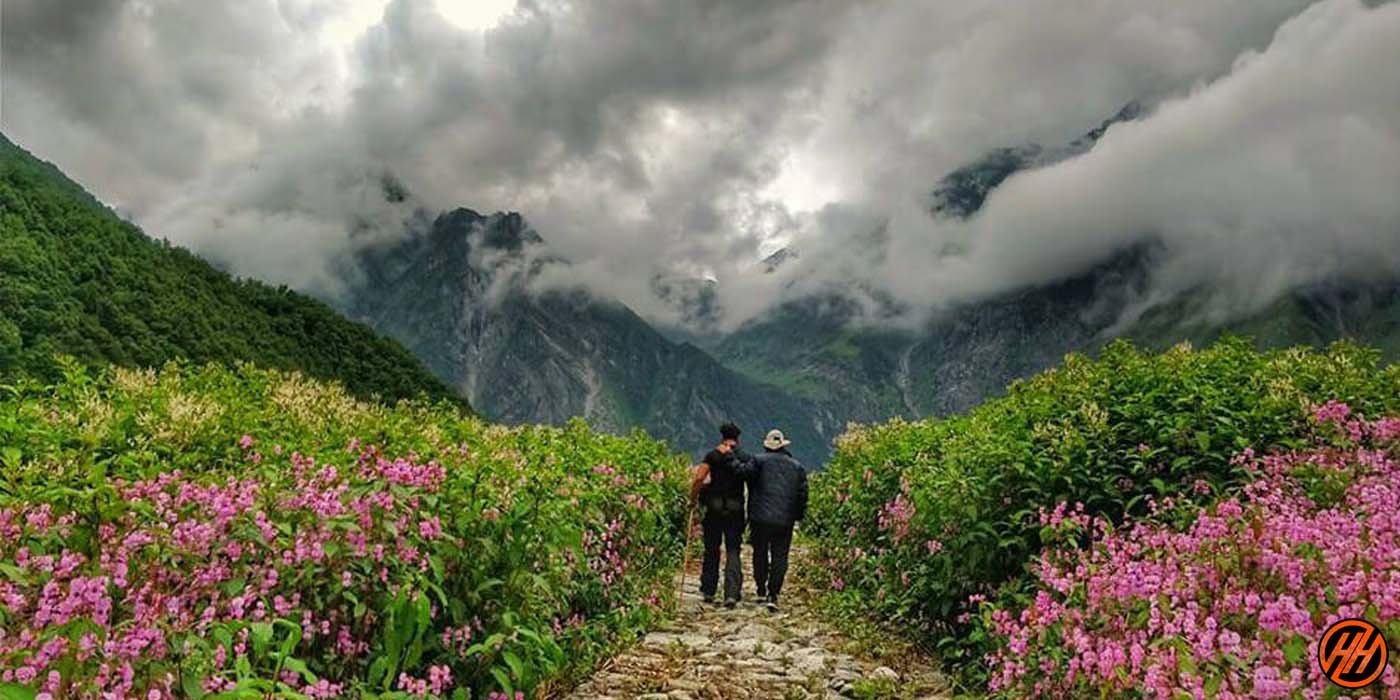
column 282, row 555
column 912, row 520
column 1230, row 603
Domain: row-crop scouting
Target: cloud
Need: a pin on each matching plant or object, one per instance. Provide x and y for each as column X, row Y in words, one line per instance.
column 1279, row 174
column 676, row 139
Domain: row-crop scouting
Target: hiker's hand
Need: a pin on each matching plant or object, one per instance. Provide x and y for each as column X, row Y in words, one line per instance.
column 698, row 479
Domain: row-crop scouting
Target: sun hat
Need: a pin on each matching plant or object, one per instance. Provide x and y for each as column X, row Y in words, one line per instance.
column 775, row 440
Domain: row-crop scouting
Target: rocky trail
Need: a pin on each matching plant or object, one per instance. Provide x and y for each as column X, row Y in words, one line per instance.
column 708, row 652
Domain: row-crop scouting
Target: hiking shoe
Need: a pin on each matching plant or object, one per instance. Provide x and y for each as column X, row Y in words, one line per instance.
column 731, row 603
column 708, row 598
column 772, row 605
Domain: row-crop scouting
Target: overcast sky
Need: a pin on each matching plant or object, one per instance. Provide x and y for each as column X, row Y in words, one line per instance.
column 692, row 137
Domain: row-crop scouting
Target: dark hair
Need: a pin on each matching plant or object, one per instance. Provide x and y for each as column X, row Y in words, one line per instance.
column 729, row 431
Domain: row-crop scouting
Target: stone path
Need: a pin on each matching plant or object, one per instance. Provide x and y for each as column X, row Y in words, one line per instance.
column 708, row 652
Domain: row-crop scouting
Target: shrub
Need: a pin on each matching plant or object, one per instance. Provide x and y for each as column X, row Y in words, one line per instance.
column 200, row 531
column 911, row 519
column 1231, row 605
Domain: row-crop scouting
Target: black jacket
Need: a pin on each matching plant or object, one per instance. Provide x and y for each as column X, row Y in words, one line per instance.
column 777, row 488
column 724, row 495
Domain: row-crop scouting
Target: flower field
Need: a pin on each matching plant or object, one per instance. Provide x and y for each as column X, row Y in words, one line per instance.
column 918, row 523
column 1230, row 604
column 199, row 532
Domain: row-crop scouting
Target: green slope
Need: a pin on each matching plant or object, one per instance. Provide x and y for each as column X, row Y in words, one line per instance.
column 77, row 280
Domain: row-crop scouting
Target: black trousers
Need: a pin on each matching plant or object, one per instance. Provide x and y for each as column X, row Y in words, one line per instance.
column 727, row 528
column 771, row 544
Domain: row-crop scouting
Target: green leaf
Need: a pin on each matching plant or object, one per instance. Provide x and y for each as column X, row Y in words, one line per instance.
column 234, row 586
column 12, row 572
column 425, row 612
column 246, row 694
column 517, row 668
column 192, row 685
column 261, row 634
column 1295, row 649
column 1212, row 686
column 14, row 691
column 380, row 672
column 503, row 679
column 299, row 667
column 293, row 637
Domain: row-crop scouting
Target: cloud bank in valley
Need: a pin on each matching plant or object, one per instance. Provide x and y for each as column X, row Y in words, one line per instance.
column 688, row 139
column 1281, row 173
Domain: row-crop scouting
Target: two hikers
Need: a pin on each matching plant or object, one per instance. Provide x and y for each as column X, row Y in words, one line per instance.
column 777, row 499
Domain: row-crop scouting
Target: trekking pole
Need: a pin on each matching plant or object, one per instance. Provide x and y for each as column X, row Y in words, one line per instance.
column 685, row 554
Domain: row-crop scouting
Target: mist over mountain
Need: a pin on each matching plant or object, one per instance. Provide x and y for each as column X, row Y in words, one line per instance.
column 700, row 137
column 457, row 291
column 827, row 348
column 464, row 291
column 957, row 193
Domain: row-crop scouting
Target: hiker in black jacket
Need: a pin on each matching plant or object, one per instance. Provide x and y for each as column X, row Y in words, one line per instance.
column 721, row 494
column 777, row 500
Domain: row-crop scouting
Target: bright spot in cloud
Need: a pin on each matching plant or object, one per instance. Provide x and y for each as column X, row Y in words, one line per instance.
column 805, row 183
column 475, row 14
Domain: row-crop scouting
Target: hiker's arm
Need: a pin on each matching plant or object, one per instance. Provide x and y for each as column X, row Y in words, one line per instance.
column 697, row 481
column 743, row 463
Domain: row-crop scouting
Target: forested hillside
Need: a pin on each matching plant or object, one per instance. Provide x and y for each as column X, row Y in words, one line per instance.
column 77, row 280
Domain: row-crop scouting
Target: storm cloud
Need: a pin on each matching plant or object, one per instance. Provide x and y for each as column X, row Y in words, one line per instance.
column 689, row 139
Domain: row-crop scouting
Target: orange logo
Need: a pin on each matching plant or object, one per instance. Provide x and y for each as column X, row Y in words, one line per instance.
column 1352, row 653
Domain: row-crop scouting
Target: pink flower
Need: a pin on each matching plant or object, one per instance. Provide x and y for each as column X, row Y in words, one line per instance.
column 1252, row 575
column 430, row 528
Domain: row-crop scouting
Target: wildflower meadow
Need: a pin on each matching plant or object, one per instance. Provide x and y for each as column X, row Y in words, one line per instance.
column 1231, row 601
column 948, row 530
column 208, row 533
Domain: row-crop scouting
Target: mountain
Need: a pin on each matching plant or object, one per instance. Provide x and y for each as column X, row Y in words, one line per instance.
column 1366, row 311
column 962, row 192
column 820, row 347
column 458, row 292
column 77, row 280
column 815, row 348
column 695, row 302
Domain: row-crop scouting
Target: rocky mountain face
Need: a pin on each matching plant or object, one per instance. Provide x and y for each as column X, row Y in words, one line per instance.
column 972, row 352
column 818, row 348
column 457, row 293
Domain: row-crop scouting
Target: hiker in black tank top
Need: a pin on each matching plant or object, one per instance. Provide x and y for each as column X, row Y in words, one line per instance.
column 722, row 499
